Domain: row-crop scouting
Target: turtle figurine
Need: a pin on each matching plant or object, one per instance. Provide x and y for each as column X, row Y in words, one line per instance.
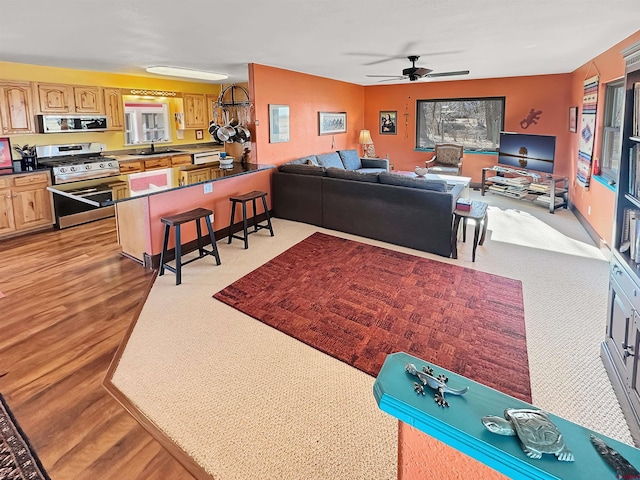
column 536, row 432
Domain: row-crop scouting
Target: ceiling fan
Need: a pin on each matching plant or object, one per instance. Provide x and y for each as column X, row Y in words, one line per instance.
column 414, row 73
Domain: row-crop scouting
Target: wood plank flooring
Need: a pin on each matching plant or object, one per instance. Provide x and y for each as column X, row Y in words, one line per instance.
column 69, row 298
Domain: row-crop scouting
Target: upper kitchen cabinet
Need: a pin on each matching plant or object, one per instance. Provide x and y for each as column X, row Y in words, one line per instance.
column 114, row 108
column 59, row 98
column 195, row 111
column 16, row 108
column 88, row 99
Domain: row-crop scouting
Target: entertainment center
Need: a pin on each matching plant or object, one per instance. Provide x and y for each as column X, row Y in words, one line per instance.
column 525, row 185
column 621, row 348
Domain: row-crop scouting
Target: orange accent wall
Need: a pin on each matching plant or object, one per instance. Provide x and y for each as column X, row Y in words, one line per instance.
column 549, row 93
column 596, row 203
column 306, row 95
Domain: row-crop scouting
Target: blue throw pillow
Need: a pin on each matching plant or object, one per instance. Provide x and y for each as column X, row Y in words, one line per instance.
column 327, row 160
column 407, row 181
column 350, row 159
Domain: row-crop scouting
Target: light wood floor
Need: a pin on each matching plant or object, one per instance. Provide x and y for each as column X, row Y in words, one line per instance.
column 69, row 297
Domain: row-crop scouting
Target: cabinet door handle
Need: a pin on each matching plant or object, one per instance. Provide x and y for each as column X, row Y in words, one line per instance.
column 616, row 269
column 15, row 195
column 627, row 350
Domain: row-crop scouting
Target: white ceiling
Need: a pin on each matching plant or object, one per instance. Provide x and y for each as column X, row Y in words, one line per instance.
column 339, row 39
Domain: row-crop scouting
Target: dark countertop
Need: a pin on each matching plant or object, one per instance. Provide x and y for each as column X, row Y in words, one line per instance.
column 141, row 184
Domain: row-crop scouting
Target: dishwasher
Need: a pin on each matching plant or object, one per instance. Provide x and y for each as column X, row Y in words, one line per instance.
column 207, row 156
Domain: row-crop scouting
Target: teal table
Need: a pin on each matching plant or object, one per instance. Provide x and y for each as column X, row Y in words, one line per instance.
column 460, row 426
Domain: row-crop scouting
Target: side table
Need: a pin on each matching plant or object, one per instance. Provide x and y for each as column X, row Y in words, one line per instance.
column 478, row 214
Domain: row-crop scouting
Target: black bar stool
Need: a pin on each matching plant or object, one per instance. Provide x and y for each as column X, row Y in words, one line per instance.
column 253, row 196
column 176, row 221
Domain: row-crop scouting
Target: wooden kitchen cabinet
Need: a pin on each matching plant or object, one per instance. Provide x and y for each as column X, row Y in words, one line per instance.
column 132, row 166
column 16, row 108
column 181, row 160
column 155, row 163
column 60, row 98
column 88, row 100
column 25, row 203
column 196, row 175
column 113, row 108
column 195, row 111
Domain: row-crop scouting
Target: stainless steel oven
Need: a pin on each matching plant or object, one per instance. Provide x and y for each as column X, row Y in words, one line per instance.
column 80, row 182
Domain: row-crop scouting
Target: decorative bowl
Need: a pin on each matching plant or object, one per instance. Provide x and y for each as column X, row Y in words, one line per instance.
column 421, row 171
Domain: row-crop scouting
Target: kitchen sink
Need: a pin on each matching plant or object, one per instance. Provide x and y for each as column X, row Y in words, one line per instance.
column 159, row 152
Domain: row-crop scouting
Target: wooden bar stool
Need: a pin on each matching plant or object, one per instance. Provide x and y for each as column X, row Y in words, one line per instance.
column 243, row 199
column 176, row 221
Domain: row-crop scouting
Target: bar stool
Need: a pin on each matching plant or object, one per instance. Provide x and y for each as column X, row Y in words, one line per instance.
column 253, row 196
column 176, row 221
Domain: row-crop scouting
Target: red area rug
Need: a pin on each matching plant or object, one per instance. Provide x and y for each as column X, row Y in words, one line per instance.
column 358, row 303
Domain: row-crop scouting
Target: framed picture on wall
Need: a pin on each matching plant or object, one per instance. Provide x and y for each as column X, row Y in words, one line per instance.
column 6, row 162
column 389, row 122
column 278, row 123
column 332, row 122
column 573, row 119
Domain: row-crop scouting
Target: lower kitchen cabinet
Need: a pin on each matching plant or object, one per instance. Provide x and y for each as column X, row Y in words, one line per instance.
column 25, row 203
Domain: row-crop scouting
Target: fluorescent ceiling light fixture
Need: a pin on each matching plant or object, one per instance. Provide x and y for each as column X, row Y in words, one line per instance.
column 186, row 73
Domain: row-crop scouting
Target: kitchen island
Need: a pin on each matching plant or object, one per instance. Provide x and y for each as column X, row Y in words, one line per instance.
column 142, row 198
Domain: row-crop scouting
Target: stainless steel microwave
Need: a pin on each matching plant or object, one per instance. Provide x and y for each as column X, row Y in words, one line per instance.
column 71, row 123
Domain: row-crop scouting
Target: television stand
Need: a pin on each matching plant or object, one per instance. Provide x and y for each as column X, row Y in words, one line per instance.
column 542, row 189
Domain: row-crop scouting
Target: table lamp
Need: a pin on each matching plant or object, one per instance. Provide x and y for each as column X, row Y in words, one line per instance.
column 364, row 140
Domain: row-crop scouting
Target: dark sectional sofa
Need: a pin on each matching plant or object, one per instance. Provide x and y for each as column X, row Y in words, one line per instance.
column 342, row 192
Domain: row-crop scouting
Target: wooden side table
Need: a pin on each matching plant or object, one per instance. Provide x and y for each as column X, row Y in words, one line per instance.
column 478, row 214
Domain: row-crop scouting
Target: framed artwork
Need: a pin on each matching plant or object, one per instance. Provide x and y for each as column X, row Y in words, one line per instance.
column 389, row 122
column 278, row 123
column 199, row 134
column 6, row 162
column 332, row 122
column 573, row 119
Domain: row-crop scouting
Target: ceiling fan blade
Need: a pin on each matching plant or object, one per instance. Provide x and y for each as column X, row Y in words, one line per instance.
column 447, row 74
column 394, row 76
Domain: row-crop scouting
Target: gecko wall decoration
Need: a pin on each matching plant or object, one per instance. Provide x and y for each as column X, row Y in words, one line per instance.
column 533, row 117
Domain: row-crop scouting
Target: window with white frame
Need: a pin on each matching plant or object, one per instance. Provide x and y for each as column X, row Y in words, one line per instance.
column 476, row 123
column 612, row 130
column 146, row 123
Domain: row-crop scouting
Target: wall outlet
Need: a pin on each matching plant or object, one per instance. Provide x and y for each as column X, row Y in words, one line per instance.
column 208, row 187
column 589, row 210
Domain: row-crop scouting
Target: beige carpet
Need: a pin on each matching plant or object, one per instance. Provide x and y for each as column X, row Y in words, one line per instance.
column 246, row 401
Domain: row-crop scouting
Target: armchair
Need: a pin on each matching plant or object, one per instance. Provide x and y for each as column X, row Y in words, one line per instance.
column 447, row 159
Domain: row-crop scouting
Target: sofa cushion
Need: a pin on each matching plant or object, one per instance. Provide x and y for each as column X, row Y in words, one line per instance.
column 302, row 169
column 407, row 181
column 308, row 160
column 352, row 175
column 350, row 159
column 329, row 160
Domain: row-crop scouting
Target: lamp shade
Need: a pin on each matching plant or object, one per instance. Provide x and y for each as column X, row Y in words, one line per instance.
column 365, row 137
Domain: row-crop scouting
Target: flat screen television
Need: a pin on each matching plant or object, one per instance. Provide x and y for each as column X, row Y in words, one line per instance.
column 525, row 151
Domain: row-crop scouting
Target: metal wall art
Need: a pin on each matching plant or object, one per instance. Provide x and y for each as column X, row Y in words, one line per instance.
column 536, row 432
column 438, row 383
